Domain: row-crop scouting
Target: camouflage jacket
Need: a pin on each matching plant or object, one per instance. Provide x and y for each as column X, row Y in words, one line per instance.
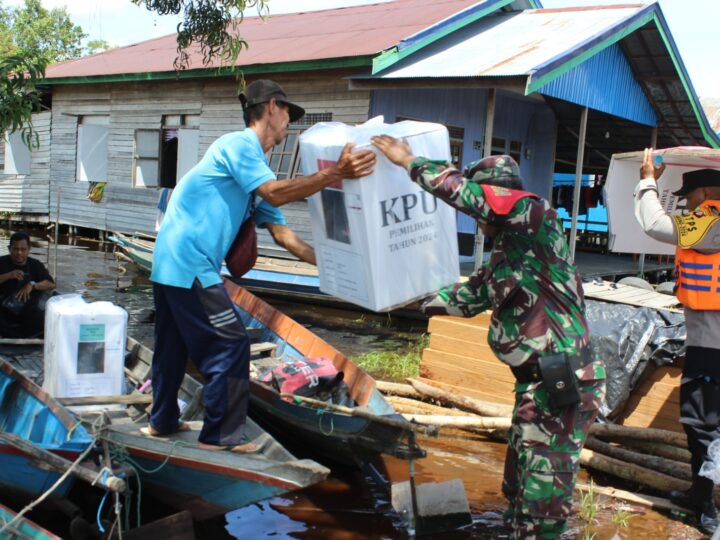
column 533, row 288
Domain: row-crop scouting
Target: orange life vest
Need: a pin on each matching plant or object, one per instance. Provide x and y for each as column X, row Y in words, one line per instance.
column 698, row 274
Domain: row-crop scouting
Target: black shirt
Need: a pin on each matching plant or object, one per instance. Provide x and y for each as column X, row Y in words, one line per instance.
column 33, row 269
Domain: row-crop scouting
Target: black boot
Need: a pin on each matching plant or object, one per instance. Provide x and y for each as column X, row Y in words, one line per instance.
column 684, row 499
column 707, row 516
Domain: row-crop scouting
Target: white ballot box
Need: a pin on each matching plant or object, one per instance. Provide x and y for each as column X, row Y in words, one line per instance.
column 625, row 233
column 84, row 347
column 381, row 241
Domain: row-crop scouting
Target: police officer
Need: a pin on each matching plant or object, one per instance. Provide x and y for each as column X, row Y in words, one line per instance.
column 537, row 327
column 697, row 259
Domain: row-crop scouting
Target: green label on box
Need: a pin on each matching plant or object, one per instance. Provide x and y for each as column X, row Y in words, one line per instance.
column 92, row 332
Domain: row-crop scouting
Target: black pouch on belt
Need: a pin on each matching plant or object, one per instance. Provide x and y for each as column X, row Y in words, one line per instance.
column 559, row 380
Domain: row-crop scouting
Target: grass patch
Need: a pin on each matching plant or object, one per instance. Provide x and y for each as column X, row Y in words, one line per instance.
column 394, row 365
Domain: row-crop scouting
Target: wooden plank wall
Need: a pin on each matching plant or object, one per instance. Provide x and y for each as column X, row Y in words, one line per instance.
column 136, row 105
column 459, row 358
column 27, row 195
column 459, row 355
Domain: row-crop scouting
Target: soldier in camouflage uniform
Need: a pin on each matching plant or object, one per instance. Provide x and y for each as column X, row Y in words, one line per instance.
column 537, row 303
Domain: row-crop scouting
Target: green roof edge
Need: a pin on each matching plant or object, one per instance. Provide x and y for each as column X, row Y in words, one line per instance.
column 534, row 85
column 305, row 65
column 391, row 56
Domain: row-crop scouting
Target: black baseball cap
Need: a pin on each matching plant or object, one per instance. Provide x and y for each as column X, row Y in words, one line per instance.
column 699, row 178
column 262, row 91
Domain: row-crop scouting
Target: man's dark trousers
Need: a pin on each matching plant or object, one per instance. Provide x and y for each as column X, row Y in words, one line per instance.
column 700, row 413
column 204, row 324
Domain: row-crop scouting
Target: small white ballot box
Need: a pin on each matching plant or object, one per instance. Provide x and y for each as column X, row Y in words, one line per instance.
column 84, row 347
column 625, row 233
column 381, row 241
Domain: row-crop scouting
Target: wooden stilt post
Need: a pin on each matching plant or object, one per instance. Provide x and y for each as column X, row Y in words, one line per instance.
column 578, row 180
column 487, row 150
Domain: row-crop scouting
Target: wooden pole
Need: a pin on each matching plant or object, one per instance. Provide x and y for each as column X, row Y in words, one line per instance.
column 487, row 151
column 57, row 229
column 129, row 399
column 401, row 424
column 397, row 389
column 57, row 463
column 405, row 405
column 612, row 431
column 665, row 466
column 631, row 472
column 667, row 451
column 21, row 341
column 476, row 406
column 578, row 180
column 635, row 498
column 472, row 422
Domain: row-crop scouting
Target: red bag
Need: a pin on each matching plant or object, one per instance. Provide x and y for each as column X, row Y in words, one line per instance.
column 243, row 252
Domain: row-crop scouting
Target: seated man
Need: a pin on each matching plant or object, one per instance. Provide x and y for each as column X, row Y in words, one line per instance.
column 24, row 282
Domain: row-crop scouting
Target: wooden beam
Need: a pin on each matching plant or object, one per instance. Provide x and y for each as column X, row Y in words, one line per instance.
column 59, row 464
column 487, row 151
column 129, row 399
column 578, row 180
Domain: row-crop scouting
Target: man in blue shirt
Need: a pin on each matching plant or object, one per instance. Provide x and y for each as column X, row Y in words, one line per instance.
column 194, row 315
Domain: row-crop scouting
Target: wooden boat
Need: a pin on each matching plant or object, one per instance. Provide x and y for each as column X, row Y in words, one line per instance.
column 31, row 414
column 271, row 277
column 338, row 436
column 206, row 483
column 23, row 529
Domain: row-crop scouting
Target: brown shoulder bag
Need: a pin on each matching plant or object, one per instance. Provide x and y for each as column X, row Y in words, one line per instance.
column 243, row 252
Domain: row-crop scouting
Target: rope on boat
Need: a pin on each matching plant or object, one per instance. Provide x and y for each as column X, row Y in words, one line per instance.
column 102, row 502
column 121, row 455
column 332, row 423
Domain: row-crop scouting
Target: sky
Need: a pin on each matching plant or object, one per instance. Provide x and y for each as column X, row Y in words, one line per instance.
column 693, row 23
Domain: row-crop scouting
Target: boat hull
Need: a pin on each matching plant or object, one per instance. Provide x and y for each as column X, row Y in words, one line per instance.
column 33, row 415
column 211, row 483
column 335, row 436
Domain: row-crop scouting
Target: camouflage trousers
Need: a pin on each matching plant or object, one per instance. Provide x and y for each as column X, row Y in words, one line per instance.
column 544, row 452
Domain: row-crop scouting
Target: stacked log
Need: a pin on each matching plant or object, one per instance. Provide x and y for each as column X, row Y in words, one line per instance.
column 654, row 458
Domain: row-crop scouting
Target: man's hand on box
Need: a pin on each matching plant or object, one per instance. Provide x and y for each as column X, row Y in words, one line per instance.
column 396, row 150
column 357, row 164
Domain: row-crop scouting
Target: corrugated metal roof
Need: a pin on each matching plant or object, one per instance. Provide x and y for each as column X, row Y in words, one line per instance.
column 511, row 44
column 293, row 37
column 605, row 82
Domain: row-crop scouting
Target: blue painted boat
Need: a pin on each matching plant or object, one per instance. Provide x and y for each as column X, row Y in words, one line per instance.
column 32, row 414
column 339, row 437
column 206, row 483
column 23, row 529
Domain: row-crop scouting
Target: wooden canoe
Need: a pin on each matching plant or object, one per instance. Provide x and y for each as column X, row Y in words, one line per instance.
column 337, row 436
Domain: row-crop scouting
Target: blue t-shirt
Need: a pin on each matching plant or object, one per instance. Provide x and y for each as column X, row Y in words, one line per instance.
column 207, row 208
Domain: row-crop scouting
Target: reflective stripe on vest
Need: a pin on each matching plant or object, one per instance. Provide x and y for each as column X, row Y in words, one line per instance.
column 698, row 279
column 698, row 274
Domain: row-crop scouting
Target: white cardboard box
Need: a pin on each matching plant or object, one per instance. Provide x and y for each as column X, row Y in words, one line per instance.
column 84, row 347
column 625, row 233
column 381, row 241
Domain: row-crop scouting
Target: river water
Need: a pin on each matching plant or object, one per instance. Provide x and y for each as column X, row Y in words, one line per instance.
column 345, row 506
